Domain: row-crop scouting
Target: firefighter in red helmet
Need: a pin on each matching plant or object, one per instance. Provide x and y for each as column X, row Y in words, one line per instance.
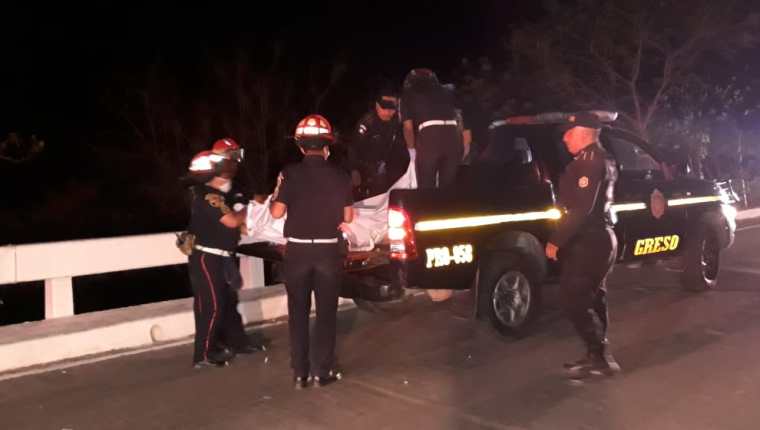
column 317, row 199
column 217, row 215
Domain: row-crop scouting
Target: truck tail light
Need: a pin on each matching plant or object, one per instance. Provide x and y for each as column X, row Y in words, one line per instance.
column 401, row 235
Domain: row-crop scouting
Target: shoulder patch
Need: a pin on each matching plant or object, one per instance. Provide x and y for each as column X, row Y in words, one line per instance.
column 217, row 201
column 583, row 182
column 362, row 128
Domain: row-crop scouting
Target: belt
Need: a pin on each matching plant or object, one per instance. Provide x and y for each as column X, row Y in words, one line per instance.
column 436, row 122
column 215, row 251
column 295, row 240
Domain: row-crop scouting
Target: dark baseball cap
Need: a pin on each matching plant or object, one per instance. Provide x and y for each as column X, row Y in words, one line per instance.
column 584, row 119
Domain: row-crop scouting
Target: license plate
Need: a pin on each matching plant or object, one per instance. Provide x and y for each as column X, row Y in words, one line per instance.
column 445, row 256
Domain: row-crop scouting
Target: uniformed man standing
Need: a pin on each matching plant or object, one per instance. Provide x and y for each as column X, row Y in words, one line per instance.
column 586, row 242
column 214, row 274
column 317, row 199
column 377, row 155
column 431, row 127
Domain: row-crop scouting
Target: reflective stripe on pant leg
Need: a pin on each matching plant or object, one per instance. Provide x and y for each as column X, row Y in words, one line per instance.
column 199, row 287
column 213, row 298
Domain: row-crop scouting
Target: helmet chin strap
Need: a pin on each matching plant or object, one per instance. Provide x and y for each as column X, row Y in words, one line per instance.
column 222, row 184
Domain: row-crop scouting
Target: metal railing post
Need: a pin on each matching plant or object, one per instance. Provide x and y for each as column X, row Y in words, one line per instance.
column 59, row 298
column 252, row 271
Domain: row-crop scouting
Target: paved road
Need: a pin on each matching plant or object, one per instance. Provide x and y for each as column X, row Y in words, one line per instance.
column 691, row 361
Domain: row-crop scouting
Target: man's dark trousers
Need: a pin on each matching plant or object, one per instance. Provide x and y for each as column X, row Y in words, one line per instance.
column 439, row 152
column 587, row 260
column 215, row 281
column 312, row 267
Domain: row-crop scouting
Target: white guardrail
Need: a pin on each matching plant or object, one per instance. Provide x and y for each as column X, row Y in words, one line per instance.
column 57, row 263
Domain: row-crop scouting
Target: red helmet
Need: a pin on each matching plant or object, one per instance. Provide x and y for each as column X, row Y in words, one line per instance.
column 229, row 148
column 205, row 163
column 314, row 131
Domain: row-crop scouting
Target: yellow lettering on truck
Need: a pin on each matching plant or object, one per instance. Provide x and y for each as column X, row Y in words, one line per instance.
column 652, row 245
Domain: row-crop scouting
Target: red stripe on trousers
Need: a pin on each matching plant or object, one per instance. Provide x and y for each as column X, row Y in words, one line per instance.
column 213, row 298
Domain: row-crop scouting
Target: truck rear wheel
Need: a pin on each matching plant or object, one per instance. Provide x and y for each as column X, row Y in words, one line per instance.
column 702, row 262
column 509, row 293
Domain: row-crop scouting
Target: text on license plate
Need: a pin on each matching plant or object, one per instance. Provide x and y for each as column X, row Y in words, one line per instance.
column 443, row 256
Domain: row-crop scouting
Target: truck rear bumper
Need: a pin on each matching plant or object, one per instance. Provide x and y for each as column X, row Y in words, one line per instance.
column 372, row 285
column 367, row 275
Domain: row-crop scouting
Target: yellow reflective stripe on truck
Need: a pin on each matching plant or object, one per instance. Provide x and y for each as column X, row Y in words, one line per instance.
column 479, row 221
column 693, row 200
column 550, row 214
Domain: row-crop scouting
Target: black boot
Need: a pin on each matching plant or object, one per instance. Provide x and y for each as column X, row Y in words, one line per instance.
column 222, row 354
column 594, row 364
column 581, row 362
column 301, row 382
column 329, row 378
column 580, row 368
column 248, row 349
column 213, row 360
column 604, row 365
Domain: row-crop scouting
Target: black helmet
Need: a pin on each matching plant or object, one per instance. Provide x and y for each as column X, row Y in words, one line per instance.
column 418, row 76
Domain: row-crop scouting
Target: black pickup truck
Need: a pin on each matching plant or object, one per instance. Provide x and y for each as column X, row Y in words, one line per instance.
column 488, row 231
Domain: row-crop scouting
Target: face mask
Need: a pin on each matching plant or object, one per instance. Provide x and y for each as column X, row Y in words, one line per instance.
column 226, row 187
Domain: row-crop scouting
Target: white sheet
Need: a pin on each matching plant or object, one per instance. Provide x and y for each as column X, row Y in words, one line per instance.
column 369, row 227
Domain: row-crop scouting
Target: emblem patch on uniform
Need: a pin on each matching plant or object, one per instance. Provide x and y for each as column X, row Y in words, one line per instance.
column 657, row 204
column 583, row 182
column 217, row 201
column 362, row 129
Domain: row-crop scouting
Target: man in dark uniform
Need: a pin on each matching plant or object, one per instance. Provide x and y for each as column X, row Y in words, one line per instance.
column 430, row 126
column 214, row 274
column 586, row 242
column 317, row 199
column 377, row 155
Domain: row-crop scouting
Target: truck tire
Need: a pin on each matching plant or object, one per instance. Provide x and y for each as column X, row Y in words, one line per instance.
column 509, row 293
column 701, row 262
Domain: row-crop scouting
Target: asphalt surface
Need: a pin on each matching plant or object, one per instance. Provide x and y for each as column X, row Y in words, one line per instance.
column 690, row 361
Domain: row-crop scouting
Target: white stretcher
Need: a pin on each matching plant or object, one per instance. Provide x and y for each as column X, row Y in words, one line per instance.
column 370, row 225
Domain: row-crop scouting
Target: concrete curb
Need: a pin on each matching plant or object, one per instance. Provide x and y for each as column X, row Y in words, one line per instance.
column 50, row 341
column 747, row 217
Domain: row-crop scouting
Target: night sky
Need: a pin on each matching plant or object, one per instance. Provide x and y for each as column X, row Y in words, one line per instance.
column 59, row 62
column 56, row 64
